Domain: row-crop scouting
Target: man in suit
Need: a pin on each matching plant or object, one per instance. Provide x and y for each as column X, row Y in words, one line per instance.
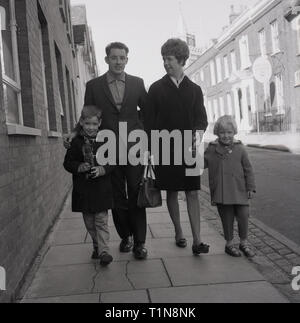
column 119, row 95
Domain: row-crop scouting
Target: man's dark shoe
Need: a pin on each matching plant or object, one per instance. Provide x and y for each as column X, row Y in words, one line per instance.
column 140, row 252
column 201, row 248
column 105, row 259
column 126, row 245
column 95, row 254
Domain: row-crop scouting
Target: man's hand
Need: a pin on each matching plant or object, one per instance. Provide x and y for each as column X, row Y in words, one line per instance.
column 251, row 195
column 84, row 168
column 198, row 137
column 68, row 140
column 97, row 171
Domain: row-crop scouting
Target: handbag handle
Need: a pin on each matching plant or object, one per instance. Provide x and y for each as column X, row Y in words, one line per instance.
column 149, row 171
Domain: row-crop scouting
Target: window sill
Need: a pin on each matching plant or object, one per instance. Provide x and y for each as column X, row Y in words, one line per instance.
column 268, row 115
column 246, row 67
column 18, row 130
column 276, row 53
column 54, row 134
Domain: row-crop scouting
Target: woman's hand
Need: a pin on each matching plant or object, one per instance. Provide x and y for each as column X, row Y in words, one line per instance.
column 97, row 171
column 251, row 195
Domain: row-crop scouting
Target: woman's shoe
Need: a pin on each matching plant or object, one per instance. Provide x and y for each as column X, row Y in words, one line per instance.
column 247, row 251
column 201, row 248
column 181, row 243
column 233, row 251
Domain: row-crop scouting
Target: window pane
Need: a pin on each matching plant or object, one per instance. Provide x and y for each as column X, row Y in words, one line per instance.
column 8, row 63
column 11, row 104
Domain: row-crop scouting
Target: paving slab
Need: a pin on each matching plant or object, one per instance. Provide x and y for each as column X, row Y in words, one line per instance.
column 62, row 281
column 250, row 292
column 68, row 255
column 131, row 297
column 211, row 269
column 70, row 224
column 147, row 274
column 112, row 278
column 68, row 214
column 68, row 237
column 81, row 299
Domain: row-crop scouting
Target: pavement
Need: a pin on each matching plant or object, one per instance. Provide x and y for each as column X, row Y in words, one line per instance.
column 64, row 273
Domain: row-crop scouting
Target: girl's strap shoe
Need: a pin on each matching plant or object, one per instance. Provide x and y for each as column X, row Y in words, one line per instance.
column 247, row 251
column 232, row 251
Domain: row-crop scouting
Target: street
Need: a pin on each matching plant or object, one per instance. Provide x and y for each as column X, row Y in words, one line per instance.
column 277, row 202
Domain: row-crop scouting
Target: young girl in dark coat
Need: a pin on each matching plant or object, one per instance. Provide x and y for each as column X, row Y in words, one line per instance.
column 92, row 190
column 232, row 183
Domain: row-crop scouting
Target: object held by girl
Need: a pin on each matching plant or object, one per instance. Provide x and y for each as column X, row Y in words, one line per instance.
column 232, row 184
column 92, row 189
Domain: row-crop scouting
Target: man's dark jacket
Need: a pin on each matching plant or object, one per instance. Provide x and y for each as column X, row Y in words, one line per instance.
column 98, row 93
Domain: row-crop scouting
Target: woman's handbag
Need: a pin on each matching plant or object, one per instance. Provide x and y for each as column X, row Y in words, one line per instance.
column 149, row 195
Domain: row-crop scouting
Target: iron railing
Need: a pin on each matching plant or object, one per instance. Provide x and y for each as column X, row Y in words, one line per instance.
column 276, row 120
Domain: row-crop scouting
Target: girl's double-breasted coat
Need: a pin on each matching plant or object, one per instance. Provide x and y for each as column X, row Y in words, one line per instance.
column 231, row 175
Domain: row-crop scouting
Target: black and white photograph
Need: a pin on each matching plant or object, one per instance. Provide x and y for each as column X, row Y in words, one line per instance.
column 150, row 154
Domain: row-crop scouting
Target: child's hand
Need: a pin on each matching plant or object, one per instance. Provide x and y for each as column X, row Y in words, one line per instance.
column 68, row 140
column 84, row 168
column 251, row 195
column 98, row 172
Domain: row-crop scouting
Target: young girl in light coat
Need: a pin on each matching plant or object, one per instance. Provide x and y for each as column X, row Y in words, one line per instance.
column 232, row 183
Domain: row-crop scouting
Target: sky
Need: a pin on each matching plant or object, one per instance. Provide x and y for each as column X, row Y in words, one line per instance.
column 144, row 26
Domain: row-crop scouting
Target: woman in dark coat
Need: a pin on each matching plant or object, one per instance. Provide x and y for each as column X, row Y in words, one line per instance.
column 176, row 104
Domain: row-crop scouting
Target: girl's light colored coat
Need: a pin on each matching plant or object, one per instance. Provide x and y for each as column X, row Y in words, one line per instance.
column 231, row 176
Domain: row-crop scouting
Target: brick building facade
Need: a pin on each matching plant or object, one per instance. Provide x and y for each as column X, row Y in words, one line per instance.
column 85, row 54
column 269, row 30
column 38, row 91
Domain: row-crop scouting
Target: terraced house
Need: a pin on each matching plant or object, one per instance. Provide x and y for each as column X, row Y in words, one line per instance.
column 252, row 71
column 38, row 103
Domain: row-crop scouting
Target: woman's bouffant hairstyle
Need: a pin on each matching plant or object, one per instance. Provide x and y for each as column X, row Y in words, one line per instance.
column 178, row 48
column 116, row 45
column 224, row 122
column 90, row 111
